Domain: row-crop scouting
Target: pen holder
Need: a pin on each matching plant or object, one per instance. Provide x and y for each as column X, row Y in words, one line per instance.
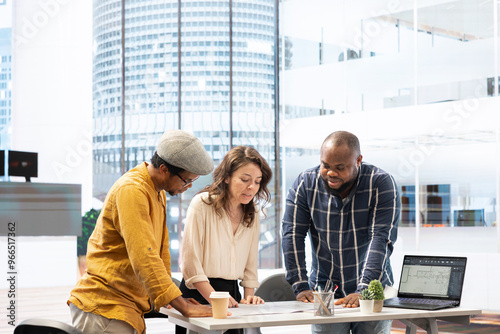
column 323, row 303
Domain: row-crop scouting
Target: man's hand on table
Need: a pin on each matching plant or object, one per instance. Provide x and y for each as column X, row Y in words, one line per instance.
column 306, row 296
column 349, row 301
column 189, row 307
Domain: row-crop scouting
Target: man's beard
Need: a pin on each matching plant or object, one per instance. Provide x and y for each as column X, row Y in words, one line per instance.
column 337, row 192
column 343, row 187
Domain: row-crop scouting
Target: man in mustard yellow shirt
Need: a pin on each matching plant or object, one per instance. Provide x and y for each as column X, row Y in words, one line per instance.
column 128, row 258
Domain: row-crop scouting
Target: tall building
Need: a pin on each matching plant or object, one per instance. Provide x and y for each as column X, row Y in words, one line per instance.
column 203, row 66
column 5, row 92
column 5, row 86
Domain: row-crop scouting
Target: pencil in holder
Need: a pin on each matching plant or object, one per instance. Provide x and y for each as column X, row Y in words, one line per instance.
column 323, row 303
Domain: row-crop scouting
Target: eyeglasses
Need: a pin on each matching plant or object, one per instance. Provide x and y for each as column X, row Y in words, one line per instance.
column 187, row 183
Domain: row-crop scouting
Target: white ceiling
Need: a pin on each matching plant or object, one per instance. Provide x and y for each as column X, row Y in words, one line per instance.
column 331, row 21
column 465, row 17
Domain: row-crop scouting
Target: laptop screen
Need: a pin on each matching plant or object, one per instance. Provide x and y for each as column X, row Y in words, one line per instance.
column 432, row 276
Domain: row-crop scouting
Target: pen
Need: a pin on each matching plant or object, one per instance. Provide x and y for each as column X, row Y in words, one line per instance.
column 327, row 285
column 325, row 308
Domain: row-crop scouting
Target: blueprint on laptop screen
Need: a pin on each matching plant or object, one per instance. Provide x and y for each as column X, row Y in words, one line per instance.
column 425, row 280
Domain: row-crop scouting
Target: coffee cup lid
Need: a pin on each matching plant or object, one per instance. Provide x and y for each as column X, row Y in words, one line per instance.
column 219, row 294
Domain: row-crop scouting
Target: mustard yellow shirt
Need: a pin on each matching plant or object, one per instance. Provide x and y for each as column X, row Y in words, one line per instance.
column 128, row 258
column 210, row 249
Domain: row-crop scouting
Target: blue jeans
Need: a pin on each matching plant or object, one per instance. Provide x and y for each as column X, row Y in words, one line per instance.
column 367, row 327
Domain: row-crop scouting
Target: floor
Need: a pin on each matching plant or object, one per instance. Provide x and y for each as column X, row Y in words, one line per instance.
column 50, row 303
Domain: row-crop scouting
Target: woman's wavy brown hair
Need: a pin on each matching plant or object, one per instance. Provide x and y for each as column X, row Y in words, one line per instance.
column 218, row 191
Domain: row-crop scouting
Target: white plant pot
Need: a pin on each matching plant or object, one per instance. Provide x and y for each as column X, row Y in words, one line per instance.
column 366, row 306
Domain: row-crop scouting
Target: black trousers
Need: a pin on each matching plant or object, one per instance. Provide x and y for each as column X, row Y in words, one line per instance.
column 218, row 284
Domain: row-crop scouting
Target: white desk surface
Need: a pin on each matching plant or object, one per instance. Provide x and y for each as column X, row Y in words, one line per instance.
column 297, row 313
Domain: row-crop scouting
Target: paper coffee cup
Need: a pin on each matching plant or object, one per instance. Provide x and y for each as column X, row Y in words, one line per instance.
column 219, row 301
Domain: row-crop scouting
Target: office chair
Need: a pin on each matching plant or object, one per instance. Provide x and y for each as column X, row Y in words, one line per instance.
column 275, row 288
column 45, row 326
column 153, row 313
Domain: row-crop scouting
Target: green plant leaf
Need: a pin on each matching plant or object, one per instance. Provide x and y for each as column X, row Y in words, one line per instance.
column 376, row 289
column 366, row 294
column 89, row 220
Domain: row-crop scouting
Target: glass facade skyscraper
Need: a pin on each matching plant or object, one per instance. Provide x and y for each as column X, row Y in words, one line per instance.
column 5, row 85
column 207, row 67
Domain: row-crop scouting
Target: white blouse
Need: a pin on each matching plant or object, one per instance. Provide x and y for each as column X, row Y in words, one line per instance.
column 209, row 248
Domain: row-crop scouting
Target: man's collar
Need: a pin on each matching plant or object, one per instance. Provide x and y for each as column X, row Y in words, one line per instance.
column 354, row 186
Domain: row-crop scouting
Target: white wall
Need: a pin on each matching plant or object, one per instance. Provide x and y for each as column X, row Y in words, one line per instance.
column 51, row 115
column 52, row 89
column 40, row 262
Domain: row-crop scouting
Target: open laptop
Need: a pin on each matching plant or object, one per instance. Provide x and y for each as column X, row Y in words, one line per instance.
column 430, row 282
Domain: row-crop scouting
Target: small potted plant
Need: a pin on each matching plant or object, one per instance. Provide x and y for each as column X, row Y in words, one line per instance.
column 366, row 301
column 377, row 290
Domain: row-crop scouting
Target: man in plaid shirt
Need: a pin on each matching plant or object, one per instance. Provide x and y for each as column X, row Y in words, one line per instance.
column 351, row 211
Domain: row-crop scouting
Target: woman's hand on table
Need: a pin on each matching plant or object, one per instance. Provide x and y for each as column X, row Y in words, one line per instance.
column 232, row 302
column 252, row 300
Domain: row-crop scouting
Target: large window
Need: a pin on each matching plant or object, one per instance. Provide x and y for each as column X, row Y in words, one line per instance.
column 205, row 67
column 418, row 84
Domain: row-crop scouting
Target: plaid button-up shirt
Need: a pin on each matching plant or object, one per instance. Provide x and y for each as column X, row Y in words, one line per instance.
column 351, row 238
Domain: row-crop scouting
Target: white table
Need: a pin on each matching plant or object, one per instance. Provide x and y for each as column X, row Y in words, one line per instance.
column 291, row 313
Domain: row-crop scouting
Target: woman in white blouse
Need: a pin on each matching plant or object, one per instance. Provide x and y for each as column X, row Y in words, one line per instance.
column 221, row 236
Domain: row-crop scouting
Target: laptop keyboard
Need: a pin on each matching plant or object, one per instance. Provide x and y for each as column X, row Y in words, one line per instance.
column 424, row 301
